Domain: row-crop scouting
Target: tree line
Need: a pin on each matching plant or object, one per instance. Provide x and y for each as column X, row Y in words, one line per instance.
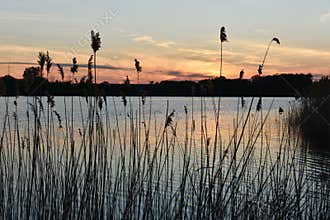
column 280, row 85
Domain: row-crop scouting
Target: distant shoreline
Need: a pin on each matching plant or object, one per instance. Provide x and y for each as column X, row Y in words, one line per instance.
column 285, row 85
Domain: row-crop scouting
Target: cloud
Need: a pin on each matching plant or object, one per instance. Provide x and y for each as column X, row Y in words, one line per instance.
column 181, row 74
column 104, row 67
column 150, row 40
column 144, row 38
column 174, row 73
column 165, row 44
column 21, row 16
column 325, row 18
column 198, row 75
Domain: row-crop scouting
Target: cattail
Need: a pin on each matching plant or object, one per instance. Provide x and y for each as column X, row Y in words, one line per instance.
column 74, row 68
column 241, row 74
column 48, row 63
column 259, row 105
column 169, row 119
column 143, row 99
column 40, row 104
column 15, row 116
column 276, row 40
column 100, row 104
column 61, row 71
column 127, row 81
column 223, row 38
column 96, row 45
column 50, row 101
column 90, row 66
column 138, row 68
column 42, row 58
column 260, row 69
column 185, row 109
column 105, row 99
column 58, row 118
column 280, row 111
column 96, row 41
column 242, row 102
column 124, row 100
column 208, row 141
column 223, row 35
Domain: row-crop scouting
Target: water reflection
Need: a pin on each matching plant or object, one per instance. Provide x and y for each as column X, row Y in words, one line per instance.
column 190, row 113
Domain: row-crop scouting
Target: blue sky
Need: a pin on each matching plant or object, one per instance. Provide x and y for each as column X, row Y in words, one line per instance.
column 170, row 36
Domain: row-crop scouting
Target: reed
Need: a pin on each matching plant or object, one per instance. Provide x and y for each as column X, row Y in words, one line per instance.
column 120, row 161
column 311, row 116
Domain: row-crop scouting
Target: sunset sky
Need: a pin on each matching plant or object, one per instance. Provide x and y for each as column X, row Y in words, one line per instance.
column 174, row 40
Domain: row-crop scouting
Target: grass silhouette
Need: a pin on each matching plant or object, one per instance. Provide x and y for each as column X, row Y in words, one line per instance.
column 50, row 170
column 138, row 69
column 42, row 58
column 95, row 45
column 60, row 71
column 74, row 68
column 48, row 64
column 261, row 67
column 223, row 38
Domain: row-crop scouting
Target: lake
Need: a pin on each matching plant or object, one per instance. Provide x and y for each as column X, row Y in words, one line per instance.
column 126, row 151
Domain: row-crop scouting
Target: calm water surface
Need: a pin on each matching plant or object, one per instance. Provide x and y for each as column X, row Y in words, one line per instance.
column 188, row 112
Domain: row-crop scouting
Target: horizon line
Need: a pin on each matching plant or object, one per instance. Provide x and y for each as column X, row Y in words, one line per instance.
column 107, row 67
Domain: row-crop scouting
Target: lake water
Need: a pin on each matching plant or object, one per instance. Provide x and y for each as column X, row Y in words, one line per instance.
column 181, row 126
column 199, row 110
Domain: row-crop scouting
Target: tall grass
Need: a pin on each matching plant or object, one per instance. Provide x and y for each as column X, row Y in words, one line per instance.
column 311, row 117
column 128, row 164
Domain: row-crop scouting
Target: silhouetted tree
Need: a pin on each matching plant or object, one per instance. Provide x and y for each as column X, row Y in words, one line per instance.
column 10, row 85
column 96, row 45
column 31, row 73
column 29, row 77
column 223, row 38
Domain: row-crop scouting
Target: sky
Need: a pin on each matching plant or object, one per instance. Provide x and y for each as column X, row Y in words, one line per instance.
column 173, row 40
